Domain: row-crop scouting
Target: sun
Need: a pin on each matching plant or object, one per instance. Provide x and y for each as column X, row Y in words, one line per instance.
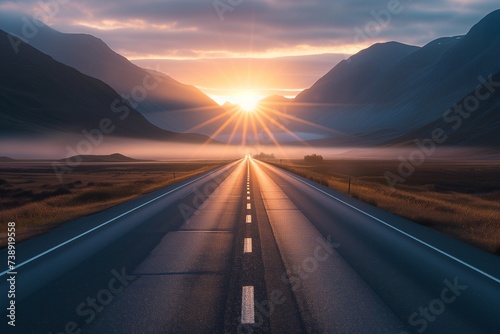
column 247, row 101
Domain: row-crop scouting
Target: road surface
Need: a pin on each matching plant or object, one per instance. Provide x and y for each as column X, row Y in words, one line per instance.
column 249, row 248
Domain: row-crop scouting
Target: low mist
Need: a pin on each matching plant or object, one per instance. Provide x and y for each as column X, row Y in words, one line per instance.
column 52, row 149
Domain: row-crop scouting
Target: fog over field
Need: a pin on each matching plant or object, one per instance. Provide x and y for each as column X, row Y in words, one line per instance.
column 48, row 149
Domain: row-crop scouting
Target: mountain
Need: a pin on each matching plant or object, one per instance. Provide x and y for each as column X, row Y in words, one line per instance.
column 164, row 101
column 275, row 105
column 477, row 127
column 347, row 80
column 275, row 99
column 40, row 97
column 408, row 72
column 229, row 107
column 115, row 157
column 387, row 92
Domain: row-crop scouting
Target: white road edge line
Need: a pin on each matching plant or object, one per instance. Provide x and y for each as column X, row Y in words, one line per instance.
column 247, row 305
column 247, row 245
column 249, row 219
column 403, row 232
column 104, row 224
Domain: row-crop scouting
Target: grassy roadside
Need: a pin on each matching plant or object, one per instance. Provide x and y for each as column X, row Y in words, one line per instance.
column 461, row 200
column 32, row 196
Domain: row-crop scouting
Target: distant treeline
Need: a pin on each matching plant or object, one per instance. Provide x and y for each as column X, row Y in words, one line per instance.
column 313, row 158
column 263, row 155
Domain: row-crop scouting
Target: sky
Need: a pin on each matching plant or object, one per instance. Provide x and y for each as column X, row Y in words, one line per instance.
column 261, row 47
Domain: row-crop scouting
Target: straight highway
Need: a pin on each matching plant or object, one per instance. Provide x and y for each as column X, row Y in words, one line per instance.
column 250, row 248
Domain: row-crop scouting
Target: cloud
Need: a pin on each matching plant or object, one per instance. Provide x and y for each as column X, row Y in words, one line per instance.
column 192, row 28
column 157, row 33
column 286, row 76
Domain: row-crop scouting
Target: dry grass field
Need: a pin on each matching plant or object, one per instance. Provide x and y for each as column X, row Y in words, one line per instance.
column 459, row 198
column 32, row 196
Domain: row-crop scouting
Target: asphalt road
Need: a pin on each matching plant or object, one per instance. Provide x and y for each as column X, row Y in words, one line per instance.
column 250, row 248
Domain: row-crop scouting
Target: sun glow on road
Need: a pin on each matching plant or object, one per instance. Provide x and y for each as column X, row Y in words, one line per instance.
column 247, row 101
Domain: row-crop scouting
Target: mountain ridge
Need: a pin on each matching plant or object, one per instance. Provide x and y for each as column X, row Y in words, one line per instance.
column 41, row 97
column 165, row 102
column 409, row 95
column 333, row 86
column 114, row 157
